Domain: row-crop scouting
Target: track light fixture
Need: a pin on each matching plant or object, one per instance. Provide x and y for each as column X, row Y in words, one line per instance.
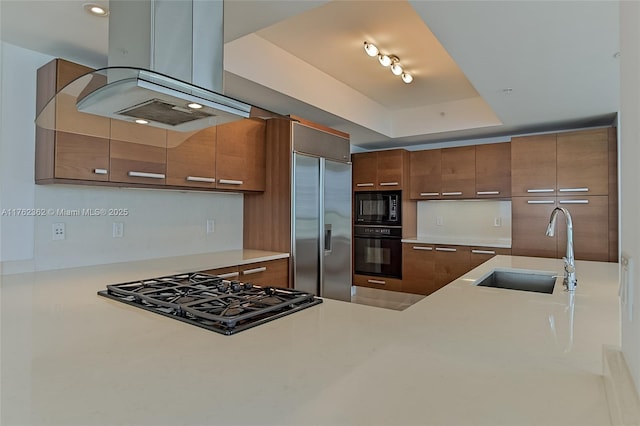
column 391, row 61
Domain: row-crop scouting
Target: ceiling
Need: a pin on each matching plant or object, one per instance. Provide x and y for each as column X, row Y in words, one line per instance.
column 481, row 68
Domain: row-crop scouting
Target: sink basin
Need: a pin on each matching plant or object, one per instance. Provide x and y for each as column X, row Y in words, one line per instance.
column 520, row 280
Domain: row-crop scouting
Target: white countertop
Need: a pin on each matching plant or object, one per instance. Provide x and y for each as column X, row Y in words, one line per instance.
column 465, row 355
column 460, row 241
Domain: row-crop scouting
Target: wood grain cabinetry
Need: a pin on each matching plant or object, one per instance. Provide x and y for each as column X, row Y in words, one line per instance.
column 380, row 170
column 138, row 153
column 372, row 281
column 191, row 158
column 418, row 268
column 533, row 166
column 459, row 172
column 479, row 255
column 241, row 155
column 530, row 217
column 425, row 177
column 69, row 144
column 590, row 217
column 451, row 263
column 273, row 273
column 493, row 170
column 582, row 163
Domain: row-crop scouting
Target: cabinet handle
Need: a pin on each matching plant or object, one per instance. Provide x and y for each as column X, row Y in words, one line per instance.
column 540, row 202
column 254, row 270
column 389, row 184
column 574, row 190
column 483, row 251
column 452, row 193
column 229, row 275
column 536, row 191
column 200, row 179
column 147, row 175
column 446, row 249
column 574, row 201
column 230, row 182
column 422, row 248
column 360, row 185
column 488, row 192
column 377, row 282
column 100, row 171
column 429, row 194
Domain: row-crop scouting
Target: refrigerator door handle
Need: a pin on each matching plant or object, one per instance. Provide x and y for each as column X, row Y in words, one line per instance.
column 327, row 239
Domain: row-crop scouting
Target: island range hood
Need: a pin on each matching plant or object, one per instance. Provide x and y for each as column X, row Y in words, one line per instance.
column 165, row 66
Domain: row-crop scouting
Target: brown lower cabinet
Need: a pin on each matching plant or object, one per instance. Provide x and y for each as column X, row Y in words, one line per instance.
column 382, row 283
column 273, row 273
column 429, row 267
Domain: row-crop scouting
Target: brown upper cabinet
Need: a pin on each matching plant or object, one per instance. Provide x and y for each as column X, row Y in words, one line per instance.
column 425, row 182
column 573, row 163
column 380, row 170
column 75, row 147
column 69, row 145
column 493, row 170
column 459, row 172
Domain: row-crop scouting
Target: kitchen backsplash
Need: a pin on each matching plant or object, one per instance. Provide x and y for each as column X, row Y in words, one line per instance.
column 465, row 220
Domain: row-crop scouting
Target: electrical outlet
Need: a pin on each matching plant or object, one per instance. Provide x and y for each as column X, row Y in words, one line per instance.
column 58, row 231
column 439, row 221
column 497, row 221
column 118, row 229
column 210, row 226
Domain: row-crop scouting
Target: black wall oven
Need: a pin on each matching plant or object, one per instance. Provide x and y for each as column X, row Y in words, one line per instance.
column 377, row 251
column 377, row 208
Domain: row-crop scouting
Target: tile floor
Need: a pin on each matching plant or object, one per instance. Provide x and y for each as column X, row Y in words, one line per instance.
column 384, row 298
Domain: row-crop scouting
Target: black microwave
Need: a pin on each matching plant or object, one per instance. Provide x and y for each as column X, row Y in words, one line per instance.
column 378, row 208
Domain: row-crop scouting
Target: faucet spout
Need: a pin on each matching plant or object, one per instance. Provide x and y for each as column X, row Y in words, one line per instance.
column 570, row 280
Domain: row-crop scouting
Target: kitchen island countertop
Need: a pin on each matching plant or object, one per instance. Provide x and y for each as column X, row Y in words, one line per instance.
column 464, row 355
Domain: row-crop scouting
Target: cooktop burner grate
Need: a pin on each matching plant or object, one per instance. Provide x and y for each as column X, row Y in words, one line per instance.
column 208, row 301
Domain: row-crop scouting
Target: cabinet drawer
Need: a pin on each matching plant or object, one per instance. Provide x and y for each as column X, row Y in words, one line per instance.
column 228, row 273
column 383, row 283
column 479, row 255
column 272, row 273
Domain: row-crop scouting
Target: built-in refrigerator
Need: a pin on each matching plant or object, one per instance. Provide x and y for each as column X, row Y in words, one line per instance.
column 321, row 213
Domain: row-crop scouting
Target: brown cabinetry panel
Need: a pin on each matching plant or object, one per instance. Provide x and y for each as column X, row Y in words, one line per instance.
column 273, row 273
column 365, row 171
column 81, row 157
column 493, row 170
column 533, row 166
column 590, row 216
column 390, row 169
column 459, row 172
column 530, row 217
column 241, row 155
column 383, row 283
column 479, row 255
column 418, row 268
column 451, row 263
column 138, row 153
column 191, row 158
column 380, row 170
column 425, row 182
column 583, row 163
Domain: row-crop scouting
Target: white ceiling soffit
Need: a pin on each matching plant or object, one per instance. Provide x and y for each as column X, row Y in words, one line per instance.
column 327, row 67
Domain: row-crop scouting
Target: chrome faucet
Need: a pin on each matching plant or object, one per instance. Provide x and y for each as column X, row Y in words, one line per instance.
column 570, row 280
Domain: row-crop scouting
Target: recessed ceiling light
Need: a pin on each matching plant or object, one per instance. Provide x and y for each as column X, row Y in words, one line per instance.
column 95, row 9
column 194, row 105
column 141, row 121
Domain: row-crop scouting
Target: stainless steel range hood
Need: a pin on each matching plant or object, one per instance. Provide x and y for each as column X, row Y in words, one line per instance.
column 163, row 56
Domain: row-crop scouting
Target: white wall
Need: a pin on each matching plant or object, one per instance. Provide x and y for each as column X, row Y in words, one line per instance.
column 629, row 155
column 159, row 222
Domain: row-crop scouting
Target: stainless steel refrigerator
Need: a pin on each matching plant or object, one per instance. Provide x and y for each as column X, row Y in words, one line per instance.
column 321, row 213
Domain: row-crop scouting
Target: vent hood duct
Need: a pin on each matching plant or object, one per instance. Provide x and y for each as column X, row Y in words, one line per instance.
column 163, row 56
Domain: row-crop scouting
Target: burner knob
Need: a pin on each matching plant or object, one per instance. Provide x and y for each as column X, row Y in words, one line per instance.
column 223, row 287
column 269, row 291
column 236, row 286
column 248, row 286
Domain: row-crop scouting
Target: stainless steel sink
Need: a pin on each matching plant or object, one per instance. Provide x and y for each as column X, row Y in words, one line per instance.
column 520, row 280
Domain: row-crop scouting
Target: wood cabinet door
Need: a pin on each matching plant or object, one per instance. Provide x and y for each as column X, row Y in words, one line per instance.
column 533, row 166
column 530, row 217
column 418, row 268
column 479, row 255
column 390, row 166
column 459, row 172
column 493, row 170
column 274, row 273
column 451, row 263
column 241, row 155
column 583, row 163
column 81, row 157
column 365, row 171
column 191, row 158
column 425, row 177
column 138, row 153
column 590, row 217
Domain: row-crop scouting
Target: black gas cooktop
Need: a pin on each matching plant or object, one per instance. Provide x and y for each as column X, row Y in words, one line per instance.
column 210, row 302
